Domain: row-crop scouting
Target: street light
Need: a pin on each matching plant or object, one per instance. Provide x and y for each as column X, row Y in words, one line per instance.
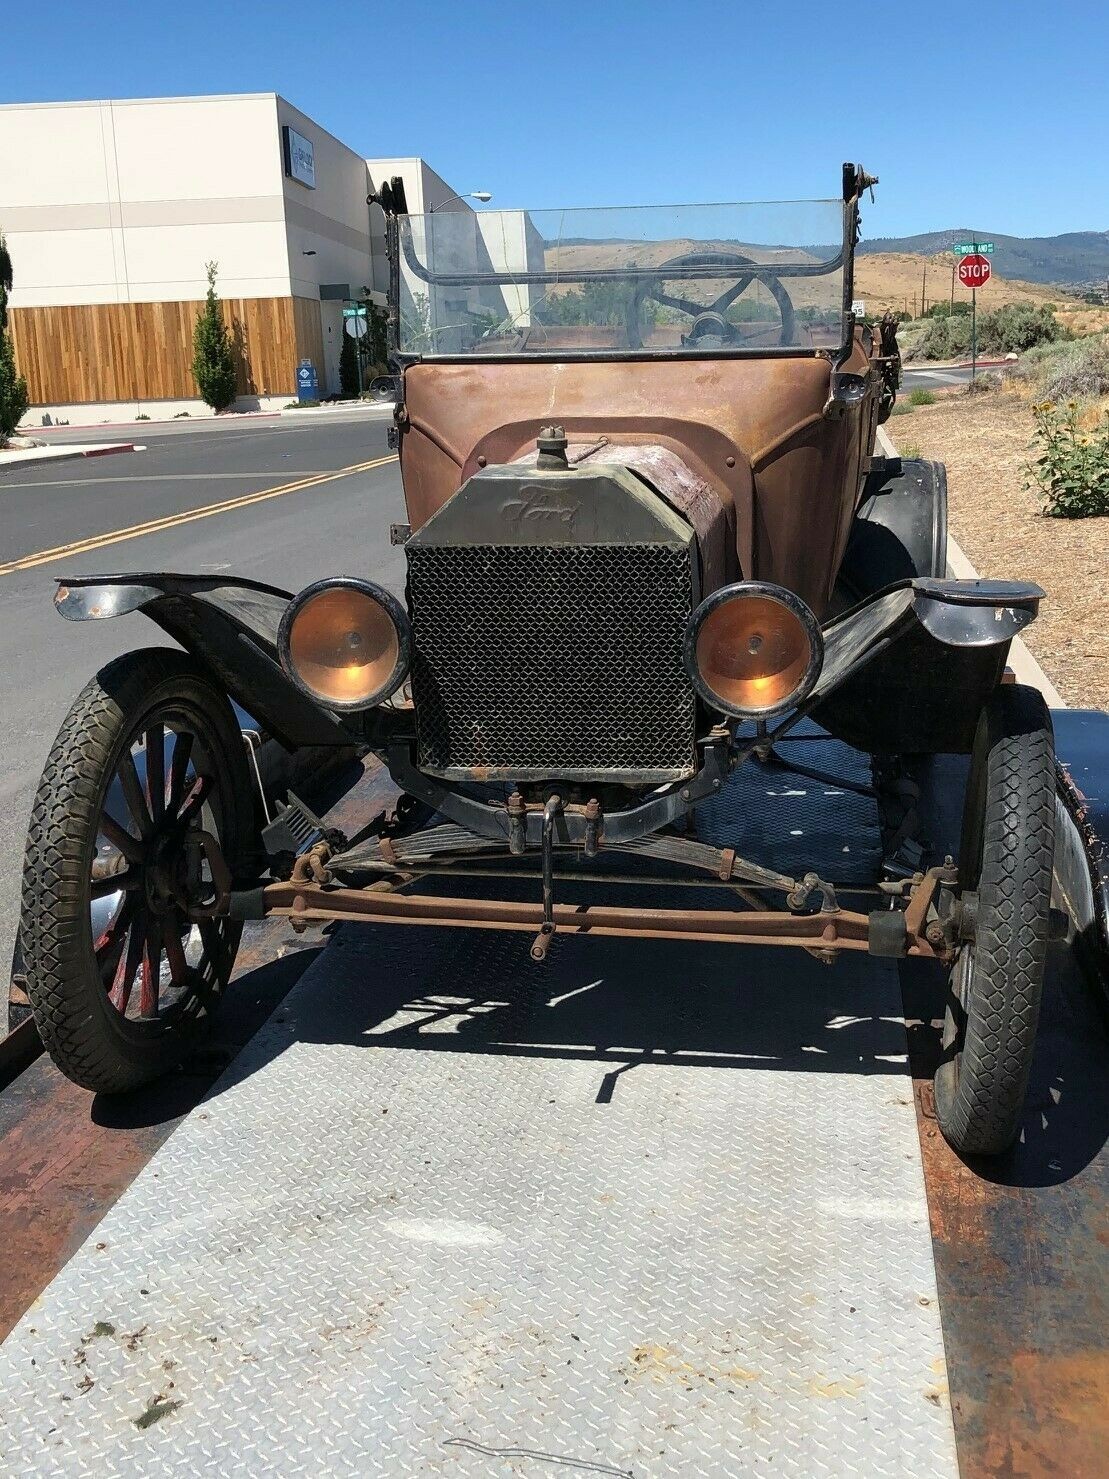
column 483, row 195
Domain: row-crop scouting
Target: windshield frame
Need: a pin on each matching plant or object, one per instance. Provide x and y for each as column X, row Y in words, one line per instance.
column 843, row 262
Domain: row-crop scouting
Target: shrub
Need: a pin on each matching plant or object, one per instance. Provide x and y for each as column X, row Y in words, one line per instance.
column 946, row 338
column 1081, row 369
column 910, row 451
column 13, row 387
column 142, row 416
column 213, row 355
column 1072, row 467
column 348, row 366
column 1007, row 330
column 901, row 409
column 983, row 384
column 947, row 310
column 1016, row 327
column 921, row 397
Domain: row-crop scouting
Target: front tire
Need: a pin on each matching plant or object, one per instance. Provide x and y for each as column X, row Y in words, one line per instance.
column 121, row 981
column 1005, row 867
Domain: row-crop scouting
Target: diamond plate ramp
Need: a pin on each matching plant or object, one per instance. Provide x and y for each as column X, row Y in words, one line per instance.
column 648, row 1210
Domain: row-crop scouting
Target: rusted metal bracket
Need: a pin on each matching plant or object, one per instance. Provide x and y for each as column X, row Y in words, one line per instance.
column 197, row 843
column 542, row 944
column 836, row 929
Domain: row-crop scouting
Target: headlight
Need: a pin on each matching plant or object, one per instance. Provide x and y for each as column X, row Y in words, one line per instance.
column 753, row 649
column 345, row 643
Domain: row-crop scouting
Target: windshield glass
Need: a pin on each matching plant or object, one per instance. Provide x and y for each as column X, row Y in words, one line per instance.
column 665, row 279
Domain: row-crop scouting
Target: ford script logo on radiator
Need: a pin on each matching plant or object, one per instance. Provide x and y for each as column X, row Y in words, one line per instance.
column 539, row 508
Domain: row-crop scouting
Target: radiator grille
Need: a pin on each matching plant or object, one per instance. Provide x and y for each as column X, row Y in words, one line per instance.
column 552, row 660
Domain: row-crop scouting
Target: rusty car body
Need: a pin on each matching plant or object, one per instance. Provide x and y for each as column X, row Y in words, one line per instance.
column 648, row 536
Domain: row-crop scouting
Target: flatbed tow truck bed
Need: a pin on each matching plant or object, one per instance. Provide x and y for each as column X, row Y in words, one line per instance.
column 648, row 1209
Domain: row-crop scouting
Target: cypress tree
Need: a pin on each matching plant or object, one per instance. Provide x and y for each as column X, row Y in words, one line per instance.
column 348, row 365
column 213, row 357
column 13, row 387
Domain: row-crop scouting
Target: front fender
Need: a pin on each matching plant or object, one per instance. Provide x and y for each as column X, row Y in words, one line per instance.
column 230, row 626
column 908, row 670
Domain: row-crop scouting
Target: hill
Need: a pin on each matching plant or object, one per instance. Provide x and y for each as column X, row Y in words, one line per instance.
column 1076, row 257
column 882, row 279
column 896, row 279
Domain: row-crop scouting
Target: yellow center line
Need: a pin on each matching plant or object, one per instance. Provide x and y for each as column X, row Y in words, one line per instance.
column 187, row 516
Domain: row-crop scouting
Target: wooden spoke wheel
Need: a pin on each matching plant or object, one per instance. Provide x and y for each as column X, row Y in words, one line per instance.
column 148, row 772
column 1005, row 863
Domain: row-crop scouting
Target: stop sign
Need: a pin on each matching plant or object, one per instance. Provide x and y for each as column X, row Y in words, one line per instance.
column 974, row 270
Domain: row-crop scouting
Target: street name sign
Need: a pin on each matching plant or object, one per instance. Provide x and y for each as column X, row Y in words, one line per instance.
column 965, row 248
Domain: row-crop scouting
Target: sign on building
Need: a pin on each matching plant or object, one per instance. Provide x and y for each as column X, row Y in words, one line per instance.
column 300, row 157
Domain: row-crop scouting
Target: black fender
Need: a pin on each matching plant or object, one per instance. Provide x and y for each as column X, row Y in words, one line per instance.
column 900, row 528
column 908, row 670
column 231, row 627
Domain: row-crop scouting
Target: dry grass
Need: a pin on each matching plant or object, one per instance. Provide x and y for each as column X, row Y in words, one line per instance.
column 894, row 280
column 882, row 280
column 1084, row 319
column 984, row 442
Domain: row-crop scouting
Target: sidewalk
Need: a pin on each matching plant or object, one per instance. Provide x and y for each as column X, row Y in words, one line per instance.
column 17, row 456
column 205, row 417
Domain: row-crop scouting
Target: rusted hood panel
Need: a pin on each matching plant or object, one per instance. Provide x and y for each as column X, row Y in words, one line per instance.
column 672, row 478
column 752, row 430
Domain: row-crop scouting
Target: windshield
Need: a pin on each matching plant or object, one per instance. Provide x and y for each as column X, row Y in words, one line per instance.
column 646, row 279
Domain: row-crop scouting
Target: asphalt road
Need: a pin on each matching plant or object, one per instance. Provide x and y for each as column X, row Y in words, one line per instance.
column 937, row 379
column 101, row 506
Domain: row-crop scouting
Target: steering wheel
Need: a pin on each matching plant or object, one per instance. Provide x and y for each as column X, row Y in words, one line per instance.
column 710, row 328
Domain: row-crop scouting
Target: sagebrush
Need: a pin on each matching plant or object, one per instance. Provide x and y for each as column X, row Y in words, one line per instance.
column 1073, row 371
column 1071, row 468
column 1010, row 329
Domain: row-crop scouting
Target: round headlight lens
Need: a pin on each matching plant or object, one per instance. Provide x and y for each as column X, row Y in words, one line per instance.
column 753, row 649
column 345, row 643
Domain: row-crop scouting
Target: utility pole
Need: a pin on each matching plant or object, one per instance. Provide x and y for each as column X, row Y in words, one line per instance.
column 924, row 289
column 953, row 285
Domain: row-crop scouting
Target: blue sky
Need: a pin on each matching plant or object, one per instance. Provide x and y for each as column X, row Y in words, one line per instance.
column 990, row 114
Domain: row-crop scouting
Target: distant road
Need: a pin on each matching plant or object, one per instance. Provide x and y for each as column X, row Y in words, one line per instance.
column 921, row 379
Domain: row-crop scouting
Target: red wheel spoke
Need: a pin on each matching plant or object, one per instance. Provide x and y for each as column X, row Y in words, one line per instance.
column 132, row 791
column 129, row 846
column 120, row 993
column 179, row 769
column 154, row 743
column 151, row 972
column 175, row 954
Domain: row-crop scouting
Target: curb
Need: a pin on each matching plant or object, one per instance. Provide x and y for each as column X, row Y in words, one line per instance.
column 150, row 422
column 67, row 454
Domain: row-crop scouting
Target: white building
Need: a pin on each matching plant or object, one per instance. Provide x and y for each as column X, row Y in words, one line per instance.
column 112, row 209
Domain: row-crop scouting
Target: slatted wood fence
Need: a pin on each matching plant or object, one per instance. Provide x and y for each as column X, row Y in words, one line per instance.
column 142, row 351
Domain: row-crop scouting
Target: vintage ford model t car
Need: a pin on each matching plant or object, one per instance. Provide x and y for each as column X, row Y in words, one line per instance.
column 647, row 536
